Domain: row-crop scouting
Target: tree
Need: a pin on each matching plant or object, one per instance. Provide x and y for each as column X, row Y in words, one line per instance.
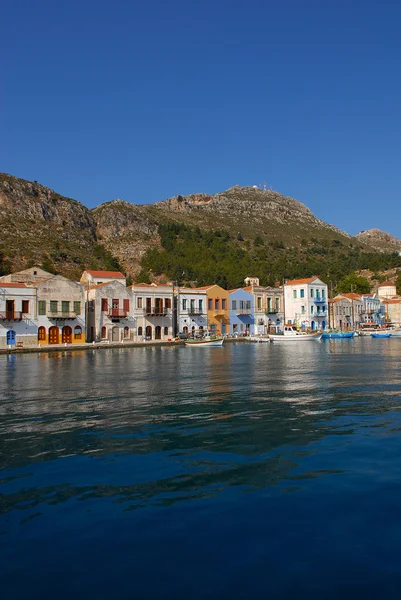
column 143, row 277
column 398, row 283
column 354, row 283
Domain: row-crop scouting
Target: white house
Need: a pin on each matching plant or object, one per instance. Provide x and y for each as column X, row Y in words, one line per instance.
column 306, row 303
column 387, row 290
column 28, row 276
column 17, row 315
column 191, row 310
column 109, row 316
column 152, row 311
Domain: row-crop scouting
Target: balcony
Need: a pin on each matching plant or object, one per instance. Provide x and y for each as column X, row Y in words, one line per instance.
column 156, row 311
column 59, row 314
column 11, row 316
column 115, row 314
column 195, row 312
column 243, row 312
column 321, row 313
column 319, row 301
column 220, row 313
column 271, row 311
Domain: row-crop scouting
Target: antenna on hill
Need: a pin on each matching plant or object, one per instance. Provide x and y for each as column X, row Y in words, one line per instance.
column 264, row 185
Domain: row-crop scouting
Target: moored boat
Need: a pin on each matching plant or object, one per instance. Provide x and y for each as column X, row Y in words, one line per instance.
column 204, row 342
column 338, row 335
column 290, row 334
column 380, row 335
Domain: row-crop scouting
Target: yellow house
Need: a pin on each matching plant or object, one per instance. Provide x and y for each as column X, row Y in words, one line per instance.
column 218, row 311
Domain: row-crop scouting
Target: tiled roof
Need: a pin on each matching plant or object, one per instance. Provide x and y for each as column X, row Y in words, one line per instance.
column 299, row 281
column 352, row 296
column 387, row 284
column 99, row 285
column 392, row 301
column 13, row 285
column 113, row 274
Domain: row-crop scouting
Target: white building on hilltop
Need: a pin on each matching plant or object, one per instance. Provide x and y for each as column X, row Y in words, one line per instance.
column 306, row 303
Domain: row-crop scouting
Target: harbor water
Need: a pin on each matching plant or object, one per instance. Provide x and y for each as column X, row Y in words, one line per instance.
column 247, row 471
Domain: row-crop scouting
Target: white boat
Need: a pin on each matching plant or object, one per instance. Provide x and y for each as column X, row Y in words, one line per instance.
column 204, row 342
column 290, row 334
column 260, row 338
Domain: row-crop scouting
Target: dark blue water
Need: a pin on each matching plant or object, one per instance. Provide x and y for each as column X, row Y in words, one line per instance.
column 248, row 471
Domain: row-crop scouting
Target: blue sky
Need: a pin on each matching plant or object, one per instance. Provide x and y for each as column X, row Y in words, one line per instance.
column 145, row 100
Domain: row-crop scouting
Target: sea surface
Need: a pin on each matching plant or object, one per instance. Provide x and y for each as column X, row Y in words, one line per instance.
column 248, row 471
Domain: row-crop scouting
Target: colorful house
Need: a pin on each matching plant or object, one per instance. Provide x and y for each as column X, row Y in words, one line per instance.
column 109, row 312
column 61, row 311
column 242, row 309
column 90, row 277
column 218, row 313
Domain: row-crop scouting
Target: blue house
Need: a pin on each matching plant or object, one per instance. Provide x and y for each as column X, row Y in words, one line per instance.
column 242, row 312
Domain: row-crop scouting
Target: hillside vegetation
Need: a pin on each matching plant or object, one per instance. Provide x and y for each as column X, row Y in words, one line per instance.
column 203, row 238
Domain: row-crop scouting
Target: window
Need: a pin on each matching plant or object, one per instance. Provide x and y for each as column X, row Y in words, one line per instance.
column 312, row 293
column 234, row 305
column 104, row 333
column 184, row 304
column 140, row 330
column 302, row 293
column 259, row 303
column 139, row 304
column 192, row 306
column 294, row 293
column 277, row 303
column 317, row 294
column 42, row 307
column 166, row 331
column 77, row 307
column 126, row 332
column 303, row 310
column 217, row 304
column 65, row 306
column 269, row 304
column 167, row 302
column 53, row 306
column 105, row 305
column 223, row 304
column 248, row 305
column 126, row 305
column 41, row 334
column 77, row 332
column 25, row 306
column 200, row 305
column 311, row 310
column 323, row 293
column 209, row 304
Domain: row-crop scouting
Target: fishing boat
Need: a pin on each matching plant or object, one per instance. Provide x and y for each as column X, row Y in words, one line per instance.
column 337, row 335
column 380, row 335
column 262, row 338
column 290, row 334
column 205, row 342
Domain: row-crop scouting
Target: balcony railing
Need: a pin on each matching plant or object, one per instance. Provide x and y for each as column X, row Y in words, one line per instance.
column 117, row 313
column 320, row 300
column 321, row 313
column 11, row 316
column 222, row 312
column 271, row 311
column 195, row 312
column 152, row 311
column 60, row 314
column 243, row 312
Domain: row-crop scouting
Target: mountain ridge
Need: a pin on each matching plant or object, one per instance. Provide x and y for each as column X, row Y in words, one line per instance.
column 38, row 224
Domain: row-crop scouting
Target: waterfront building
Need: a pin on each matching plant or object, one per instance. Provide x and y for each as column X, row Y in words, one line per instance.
column 392, row 308
column 28, row 276
column 90, row 277
column 152, row 311
column 109, row 312
column 345, row 311
column 372, row 310
column 218, row 313
column 242, row 309
column 60, row 311
column 306, row 303
column 18, row 326
column 191, row 311
column 268, row 303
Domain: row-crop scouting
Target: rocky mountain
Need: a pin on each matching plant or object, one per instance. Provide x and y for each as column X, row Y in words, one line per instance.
column 40, row 226
column 379, row 240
